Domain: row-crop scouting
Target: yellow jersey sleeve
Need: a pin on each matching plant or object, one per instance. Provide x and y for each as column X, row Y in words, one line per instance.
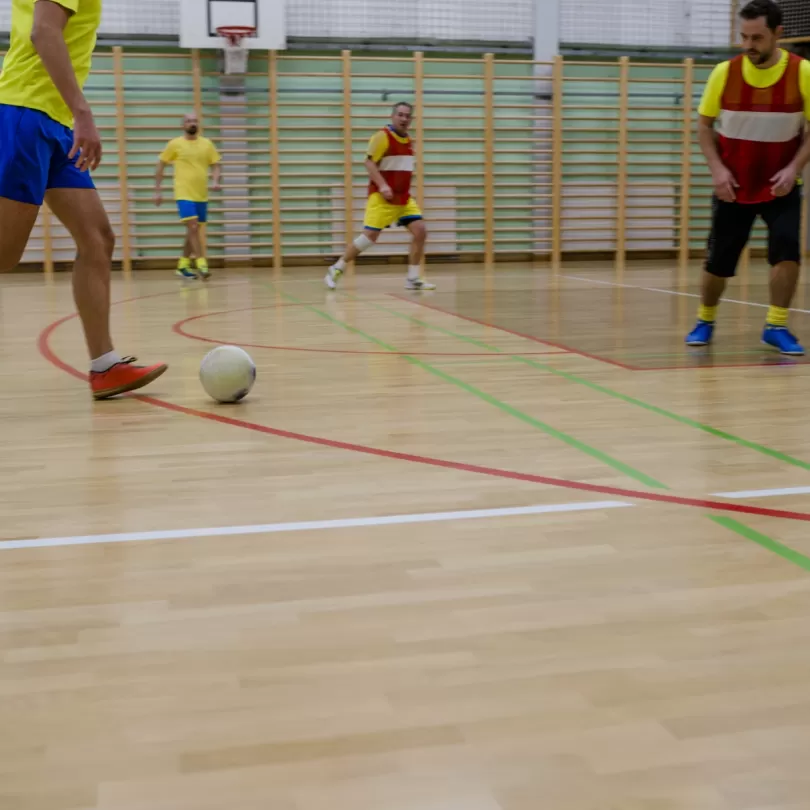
column 213, row 155
column 804, row 86
column 69, row 5
column 169, row 154
column 377, row 146
column 712, row 100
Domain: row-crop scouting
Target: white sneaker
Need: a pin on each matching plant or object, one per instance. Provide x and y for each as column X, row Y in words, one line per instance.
column 418, row 284
column 332, row 276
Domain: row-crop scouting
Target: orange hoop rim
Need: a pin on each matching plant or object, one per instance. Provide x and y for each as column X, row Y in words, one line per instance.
column 235, row 33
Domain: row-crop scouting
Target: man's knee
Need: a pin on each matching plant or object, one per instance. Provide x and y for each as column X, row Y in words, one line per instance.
column 10, row 258
column 419, row 231
column 192, row 227
column 98, row 242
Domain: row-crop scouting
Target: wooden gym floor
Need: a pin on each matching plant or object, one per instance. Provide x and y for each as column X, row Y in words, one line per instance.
column 505, row 546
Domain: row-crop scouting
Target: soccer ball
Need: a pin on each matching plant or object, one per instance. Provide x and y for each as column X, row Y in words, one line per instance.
column 227, row 373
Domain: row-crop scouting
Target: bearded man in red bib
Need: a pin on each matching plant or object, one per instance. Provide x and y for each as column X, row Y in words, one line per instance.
column 761, row 103
column 390, row 165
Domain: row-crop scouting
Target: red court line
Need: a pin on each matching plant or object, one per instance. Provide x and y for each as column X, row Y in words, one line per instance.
column 180, row 329
column 569, row 349
column 48, row 354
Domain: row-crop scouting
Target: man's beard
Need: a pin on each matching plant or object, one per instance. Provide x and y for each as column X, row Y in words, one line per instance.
column 191, row 130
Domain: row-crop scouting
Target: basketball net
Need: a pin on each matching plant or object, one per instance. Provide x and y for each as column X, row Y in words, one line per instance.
column 236, row 54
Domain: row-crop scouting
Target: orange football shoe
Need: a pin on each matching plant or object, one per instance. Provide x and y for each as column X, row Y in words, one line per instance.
column 122, row 377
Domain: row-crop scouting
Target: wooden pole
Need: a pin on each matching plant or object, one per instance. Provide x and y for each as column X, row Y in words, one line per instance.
column 489, row 159
column 686, row 162
column 275, row 161
column 348, row 182
column 621, row 184
column 732, row 29
column 557, row 162
column 196, row 79
column 419, row 132
column 123, row 165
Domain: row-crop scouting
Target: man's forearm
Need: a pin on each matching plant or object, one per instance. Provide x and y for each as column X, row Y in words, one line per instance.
column 159, row 177
column 375, row 175
column 803, row 157
column 216, row 174
column 49, row 43
column 708, row 146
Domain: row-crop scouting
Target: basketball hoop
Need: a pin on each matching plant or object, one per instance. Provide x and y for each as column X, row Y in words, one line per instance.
column 236, row 54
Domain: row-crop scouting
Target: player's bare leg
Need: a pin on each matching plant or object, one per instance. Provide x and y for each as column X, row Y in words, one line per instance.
column 191, row 249
column 415, row 256
column 363, row 242
column 82, row 213
column 16, row 221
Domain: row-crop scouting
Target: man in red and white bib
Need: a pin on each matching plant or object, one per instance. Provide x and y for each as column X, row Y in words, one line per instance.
column 761, row 103
column 390, row 165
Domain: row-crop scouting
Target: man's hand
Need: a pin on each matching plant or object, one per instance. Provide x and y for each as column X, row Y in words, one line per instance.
column 217, row 186
column 386, row 191
column 724, row 184
column 86, row 142
column 784, row 181
column 158, row 198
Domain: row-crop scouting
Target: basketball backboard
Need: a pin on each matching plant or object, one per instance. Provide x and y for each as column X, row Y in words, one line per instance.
column 199, row 20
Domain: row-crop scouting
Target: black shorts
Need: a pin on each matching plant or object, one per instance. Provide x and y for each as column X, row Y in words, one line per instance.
column 731, row 229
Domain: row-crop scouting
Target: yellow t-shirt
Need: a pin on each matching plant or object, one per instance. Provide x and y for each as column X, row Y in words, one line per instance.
column 711, row 102
column 378, row 145
column 191, row 158
column 24, row 81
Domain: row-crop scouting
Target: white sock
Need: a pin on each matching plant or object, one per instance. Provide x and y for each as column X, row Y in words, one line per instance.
column 105, row 362
column 340, row 264
column 414, row 271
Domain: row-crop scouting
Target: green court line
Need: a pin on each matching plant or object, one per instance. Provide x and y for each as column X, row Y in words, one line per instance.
column 763, row 540
column 491, row 400
column 684, row 420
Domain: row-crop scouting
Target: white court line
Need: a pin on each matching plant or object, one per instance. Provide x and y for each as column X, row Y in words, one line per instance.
column 311, row 525
column 763, row 493
column 672, row 292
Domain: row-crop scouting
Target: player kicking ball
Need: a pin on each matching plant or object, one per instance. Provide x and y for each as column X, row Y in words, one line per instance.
column 390, row 166
column 48, row 146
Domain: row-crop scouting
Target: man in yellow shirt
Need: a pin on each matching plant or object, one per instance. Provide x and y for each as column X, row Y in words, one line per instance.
column 48, row 145
column 191, row 155
column 753, row 121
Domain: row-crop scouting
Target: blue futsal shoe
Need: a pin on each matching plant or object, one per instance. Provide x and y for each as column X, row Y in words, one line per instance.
column 781, row 338
column 701, row 335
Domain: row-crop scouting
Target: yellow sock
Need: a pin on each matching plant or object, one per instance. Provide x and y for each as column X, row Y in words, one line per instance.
column 202, row 263
column 707, row 314
column 183, row 264
column 777, row 316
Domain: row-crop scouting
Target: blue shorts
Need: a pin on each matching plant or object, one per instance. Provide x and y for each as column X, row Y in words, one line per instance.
column 192, row 210
column 34, row 156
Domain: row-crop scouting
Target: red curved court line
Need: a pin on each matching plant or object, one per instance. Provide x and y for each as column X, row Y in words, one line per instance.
column 43, row 344
column 179, row 328
column 420, row 303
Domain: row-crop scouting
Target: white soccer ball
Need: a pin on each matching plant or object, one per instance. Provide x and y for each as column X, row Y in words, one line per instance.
column 227, row 373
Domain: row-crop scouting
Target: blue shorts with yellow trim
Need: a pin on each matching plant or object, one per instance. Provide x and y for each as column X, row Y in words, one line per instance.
column 192, row 210
column 381, row 214
column 34, row 156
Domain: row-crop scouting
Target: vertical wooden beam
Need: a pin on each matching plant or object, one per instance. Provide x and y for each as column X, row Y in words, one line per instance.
column 489, row 159
column 348, row 146
column 275, row 160
column 557, row 161
column 196, row 80
column 123, row 163
column 47, row 239
column 686, row 162
column 419, row 132
column 419, row 125
column 732, row 16
column 805, row 211
column 621, row 179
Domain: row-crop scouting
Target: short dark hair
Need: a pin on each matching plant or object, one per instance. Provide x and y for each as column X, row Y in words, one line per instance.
column 763, row 8
column 402, row 104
